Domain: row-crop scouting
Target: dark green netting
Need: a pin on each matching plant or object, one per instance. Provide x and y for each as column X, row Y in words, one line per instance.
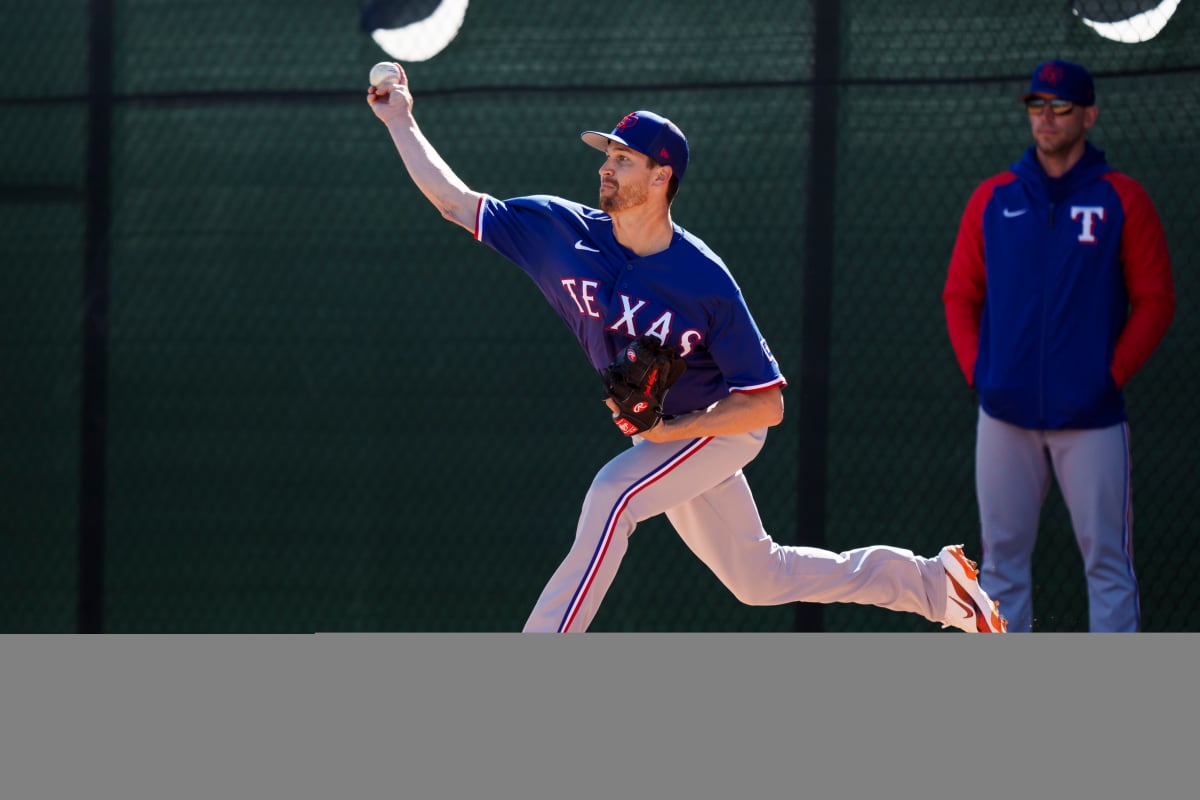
column 318, row 392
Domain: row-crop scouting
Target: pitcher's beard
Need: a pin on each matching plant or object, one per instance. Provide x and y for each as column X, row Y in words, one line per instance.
column 621, row 199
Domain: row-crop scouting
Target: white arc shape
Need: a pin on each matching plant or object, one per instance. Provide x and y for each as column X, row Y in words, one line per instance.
column 421, row 41
column 1139, row 28
column 581, row 246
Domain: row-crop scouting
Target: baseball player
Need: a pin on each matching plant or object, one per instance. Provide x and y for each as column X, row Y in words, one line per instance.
column 1059, row 289
column 624, row 271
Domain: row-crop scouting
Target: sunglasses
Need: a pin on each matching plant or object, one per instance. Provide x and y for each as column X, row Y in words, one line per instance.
column 1035, row 105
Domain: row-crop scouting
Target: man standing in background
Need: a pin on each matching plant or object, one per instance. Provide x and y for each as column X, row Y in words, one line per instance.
column 1058, row 291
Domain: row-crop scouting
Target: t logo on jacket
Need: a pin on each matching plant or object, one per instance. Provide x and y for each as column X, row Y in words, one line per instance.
column 1089, row 214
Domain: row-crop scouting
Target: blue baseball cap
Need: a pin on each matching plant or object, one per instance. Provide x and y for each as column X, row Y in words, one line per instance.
column 649, row 134
column 1062, row 79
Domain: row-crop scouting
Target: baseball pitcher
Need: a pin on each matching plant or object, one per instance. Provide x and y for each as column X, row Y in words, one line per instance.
column 686, row 374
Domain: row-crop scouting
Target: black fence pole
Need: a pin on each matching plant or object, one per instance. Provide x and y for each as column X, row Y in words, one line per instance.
column 817, row 310
column 94, row 404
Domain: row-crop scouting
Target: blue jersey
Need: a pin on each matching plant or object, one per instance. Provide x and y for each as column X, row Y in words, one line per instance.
column 608, row 295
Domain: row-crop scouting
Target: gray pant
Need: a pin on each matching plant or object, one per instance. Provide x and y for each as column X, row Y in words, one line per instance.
column 699, row 485
column 1012, row 478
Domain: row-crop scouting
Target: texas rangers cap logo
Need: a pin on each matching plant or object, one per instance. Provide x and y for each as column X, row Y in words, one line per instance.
column 1051, row 74
column 628, row 121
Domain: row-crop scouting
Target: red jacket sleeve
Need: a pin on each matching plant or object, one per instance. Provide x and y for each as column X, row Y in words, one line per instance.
column 966, row 282
column 1146, row 266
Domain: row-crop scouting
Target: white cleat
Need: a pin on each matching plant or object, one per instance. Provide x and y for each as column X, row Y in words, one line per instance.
column 968, row 607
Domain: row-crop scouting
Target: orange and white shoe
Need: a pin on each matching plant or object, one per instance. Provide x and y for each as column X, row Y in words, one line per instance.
column 968, row 607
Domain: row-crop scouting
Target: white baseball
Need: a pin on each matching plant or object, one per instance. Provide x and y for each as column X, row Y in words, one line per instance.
column 385, row 73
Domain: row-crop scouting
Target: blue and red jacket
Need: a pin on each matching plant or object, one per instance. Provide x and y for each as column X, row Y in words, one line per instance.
column 1059, row 289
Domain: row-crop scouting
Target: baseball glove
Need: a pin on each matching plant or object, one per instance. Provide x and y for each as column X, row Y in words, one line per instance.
column 638, row 380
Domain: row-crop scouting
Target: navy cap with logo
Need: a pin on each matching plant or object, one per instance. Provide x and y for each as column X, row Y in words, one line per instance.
column 1062, row 79
column 649, row 134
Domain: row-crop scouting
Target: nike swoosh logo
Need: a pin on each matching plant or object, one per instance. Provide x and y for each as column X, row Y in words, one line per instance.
column 1007, row 213
column 581, row 246
column 968, row 612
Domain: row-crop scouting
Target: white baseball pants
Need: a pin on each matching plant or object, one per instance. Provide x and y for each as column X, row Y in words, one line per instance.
column 699, row 485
